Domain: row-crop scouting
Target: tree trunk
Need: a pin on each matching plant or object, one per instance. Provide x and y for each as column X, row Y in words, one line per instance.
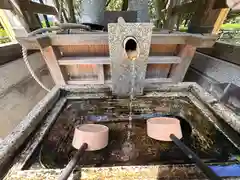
column 160, row 5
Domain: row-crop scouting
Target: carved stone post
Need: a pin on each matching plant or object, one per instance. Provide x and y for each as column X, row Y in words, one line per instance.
column 127, row 42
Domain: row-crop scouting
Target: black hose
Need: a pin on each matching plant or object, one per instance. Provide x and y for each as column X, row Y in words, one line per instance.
column 72, row 164
column 191, row 155
column 59, row 27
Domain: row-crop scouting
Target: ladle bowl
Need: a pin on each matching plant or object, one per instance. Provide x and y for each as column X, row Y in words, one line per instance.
column 87, row 137
column 169, row 129
column 160, row 128
column 95, row 135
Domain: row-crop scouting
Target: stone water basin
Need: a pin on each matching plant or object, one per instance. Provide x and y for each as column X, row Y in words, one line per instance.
column 204, row 131
column 198, row 133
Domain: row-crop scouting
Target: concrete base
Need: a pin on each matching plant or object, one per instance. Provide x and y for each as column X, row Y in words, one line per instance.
column 214, row 75
column 19, row 93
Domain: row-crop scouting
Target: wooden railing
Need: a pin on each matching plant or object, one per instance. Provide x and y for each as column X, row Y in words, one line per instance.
column 27, row 5
column 204, row 16
column 27, row 11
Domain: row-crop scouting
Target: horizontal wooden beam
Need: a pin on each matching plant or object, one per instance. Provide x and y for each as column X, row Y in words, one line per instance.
column 158, row 80
column 38, row 8
column 30, row 6
column 83, row 82
column 107, row 60
column 196, row 40
column 109, row 82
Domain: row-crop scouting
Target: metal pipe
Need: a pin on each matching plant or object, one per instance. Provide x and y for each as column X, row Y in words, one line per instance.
column 191, row 155
column 59, row 27
column 72, row 164
column 42, row 30
column 74, row 26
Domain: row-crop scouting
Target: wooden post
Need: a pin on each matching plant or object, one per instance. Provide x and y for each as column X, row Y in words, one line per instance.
column 207, row 19
column 30, row 18
column 178, row 71
column 51, row 55
column 27, row 12
column 220, row 20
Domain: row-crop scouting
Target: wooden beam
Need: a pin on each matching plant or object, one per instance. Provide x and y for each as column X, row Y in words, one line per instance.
column 31, row 19
column 27, row 11
column 102, row 39
column 4, row 4
column 83, row 82
column 162, row 49
column 38, row 8
column 15, row 9
column 200, row 21
column 103, row 50
column 221, row 18
column 109, row 82
column 106, row 60
column 51, row 56
column 178, row 71
column 219, row 4
column 157, row 80
column 207, row 19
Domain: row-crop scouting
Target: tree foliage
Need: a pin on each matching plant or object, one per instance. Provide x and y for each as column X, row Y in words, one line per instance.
column 115, row 5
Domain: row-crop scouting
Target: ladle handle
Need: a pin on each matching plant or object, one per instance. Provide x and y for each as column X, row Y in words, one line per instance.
column 72, row 164
column 191, row 155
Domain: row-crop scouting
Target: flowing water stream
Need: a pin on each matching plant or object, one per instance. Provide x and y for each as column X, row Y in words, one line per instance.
column 128, row 147
column 131, row 94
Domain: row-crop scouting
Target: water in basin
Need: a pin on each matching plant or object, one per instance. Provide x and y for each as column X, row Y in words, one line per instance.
column 198, row 133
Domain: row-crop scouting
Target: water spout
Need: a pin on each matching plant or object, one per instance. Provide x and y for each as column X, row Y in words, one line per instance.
column 131, row 48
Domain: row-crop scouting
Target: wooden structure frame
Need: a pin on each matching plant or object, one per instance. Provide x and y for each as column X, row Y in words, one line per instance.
column 26, row 10
column 170, row 51
column 68, row 55
column 208, row 17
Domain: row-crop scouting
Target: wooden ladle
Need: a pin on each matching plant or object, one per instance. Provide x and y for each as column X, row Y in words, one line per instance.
column 169, row 129
column 87, row 137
